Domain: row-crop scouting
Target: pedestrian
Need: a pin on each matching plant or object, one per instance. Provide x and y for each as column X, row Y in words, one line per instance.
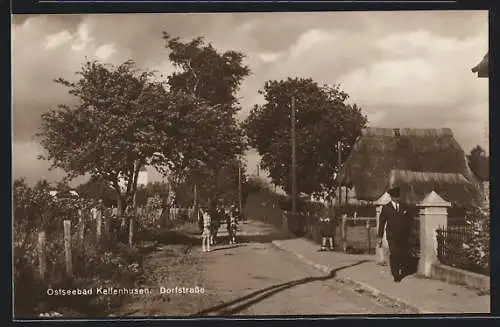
column 231, row 226
column 200, row 221
column 227, row 217
column 206, row 235
column 215, row 215
column 235, row 212
column 327, row 231
column 396, row 221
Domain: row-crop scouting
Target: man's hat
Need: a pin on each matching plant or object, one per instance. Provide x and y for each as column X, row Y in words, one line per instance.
column 394, row 191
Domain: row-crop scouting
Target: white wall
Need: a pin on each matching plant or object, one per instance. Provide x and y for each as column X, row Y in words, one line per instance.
column 142, row 179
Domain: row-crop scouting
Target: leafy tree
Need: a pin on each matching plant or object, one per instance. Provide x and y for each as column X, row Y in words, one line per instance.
column 160, row 189
column 322, row 118
column 206, row 72
column 213, row 77
column 123, row 119
column 96, row 189
column 62, row 187
column 477, row 151
column 218, row 184
column 479, row 162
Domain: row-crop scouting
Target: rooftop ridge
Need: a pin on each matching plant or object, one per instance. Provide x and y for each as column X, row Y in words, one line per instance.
column 419, row 132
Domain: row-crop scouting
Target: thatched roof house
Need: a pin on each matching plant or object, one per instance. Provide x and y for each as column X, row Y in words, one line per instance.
column 417, row 160
column 481, row 68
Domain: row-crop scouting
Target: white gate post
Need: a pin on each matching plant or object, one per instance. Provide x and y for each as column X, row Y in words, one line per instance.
column 433, row 214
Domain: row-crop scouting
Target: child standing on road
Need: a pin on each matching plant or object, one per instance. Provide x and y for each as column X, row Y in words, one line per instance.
column 327, row 231
column 206, row 236
column 231, row 227
column 214, row 228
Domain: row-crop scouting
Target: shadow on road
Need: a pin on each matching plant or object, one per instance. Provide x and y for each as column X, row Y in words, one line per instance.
column 226, row 247
column 174, row 237
column 238, row 305
column 265, row 238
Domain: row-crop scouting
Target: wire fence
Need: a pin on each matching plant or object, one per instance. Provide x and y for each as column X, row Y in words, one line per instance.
column 457, row 248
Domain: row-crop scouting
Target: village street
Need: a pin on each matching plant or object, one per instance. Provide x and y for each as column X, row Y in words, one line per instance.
column 251, row 278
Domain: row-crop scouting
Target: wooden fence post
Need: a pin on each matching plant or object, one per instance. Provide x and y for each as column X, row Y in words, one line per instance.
column 368, row 232
column 81, row 226
column 344, row 232
column 159, row 214
column 106, row 221
column 42, row 258
column 67, row 247
column 98, row 220
column 130, row 231
column 285, row 221
column 82, row 231
column 80, row 218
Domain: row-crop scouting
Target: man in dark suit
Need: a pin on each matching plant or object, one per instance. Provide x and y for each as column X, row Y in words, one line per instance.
column 396, row 217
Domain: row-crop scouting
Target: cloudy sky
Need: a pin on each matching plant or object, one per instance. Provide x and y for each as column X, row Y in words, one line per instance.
column 405, row 69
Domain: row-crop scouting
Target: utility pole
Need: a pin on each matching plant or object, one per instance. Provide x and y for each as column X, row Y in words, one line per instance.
column 240, row 203
column 195, row 201
column 294, row 161
column 339, row 162
column 277, row 156
column 258, row 170
column 195, row 195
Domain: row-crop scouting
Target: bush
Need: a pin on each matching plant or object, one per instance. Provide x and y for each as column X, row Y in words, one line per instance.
column 478, row 248
column 264, row 206
column 467, row 247
column 95, row 264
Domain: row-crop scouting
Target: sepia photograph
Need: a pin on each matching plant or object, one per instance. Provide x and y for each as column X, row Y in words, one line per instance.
column 250, row 164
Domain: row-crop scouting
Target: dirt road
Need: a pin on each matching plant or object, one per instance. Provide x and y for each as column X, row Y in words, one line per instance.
column 248, row 279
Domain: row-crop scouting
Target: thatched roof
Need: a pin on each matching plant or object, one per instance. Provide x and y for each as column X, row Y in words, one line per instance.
column 414, row 186
column 481, row 68
column 378, row 151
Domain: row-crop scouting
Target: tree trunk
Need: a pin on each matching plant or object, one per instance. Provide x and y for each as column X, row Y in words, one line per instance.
column 121, row 206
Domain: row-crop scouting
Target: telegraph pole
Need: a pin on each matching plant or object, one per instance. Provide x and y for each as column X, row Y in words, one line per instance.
column 240, row 205
column 195, row 201
column 277, row 156
column 294, row 161
column 339, row 162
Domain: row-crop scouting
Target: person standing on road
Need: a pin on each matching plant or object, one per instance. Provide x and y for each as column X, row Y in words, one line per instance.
column 216, row 215
column 396, row 222
column 327, row 231
column 232, row 227
column 206, row 235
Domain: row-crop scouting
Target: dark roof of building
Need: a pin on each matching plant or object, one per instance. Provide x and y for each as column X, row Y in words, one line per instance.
column 414, row 186
column 379, row 153
column 482, row 68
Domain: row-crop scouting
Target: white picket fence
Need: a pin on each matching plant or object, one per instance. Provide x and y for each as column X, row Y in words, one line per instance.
column 174, row 213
